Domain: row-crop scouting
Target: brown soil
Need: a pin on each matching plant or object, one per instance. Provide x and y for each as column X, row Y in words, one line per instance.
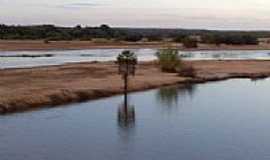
column 23, row 89
column 6, row 45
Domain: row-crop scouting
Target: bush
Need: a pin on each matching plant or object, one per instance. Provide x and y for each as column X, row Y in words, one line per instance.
column 169, row 60
column 190, row 43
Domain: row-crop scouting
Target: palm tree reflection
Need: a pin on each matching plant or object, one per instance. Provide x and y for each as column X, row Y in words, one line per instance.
column 126, row 123
column 126, row 115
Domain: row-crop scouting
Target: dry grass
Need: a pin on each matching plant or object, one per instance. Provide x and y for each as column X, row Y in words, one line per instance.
column 22, row 89
column 48, row 86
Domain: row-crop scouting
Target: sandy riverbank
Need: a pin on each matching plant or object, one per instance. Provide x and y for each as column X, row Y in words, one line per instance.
column 21, row 45
column 23, row 89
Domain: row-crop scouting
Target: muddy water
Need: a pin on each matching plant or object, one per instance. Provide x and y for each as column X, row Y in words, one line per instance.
column 222, row 120
column 23, row 59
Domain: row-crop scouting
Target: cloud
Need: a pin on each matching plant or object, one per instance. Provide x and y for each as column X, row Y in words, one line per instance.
column 80, row 5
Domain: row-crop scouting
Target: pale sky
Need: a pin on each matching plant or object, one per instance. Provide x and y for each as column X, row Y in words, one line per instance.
column 203, row 14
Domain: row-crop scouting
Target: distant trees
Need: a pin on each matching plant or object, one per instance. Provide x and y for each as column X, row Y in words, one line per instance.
column 154, row 38
column 251, row 40
column 179, row 38
column 231, row 39
column 51, row 32
column 133, row 37
column 212, row 39
column 190, row 42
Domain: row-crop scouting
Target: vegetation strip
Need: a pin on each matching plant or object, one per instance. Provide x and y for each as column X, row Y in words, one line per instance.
column 189, row 37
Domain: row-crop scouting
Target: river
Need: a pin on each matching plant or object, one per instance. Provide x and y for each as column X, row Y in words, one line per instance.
column 221, row 120
column 25, row 59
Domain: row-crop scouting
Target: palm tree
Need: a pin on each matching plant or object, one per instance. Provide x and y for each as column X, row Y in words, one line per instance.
column 127, row 61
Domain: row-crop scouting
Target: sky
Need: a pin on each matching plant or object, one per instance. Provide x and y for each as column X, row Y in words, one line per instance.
column 195, row 14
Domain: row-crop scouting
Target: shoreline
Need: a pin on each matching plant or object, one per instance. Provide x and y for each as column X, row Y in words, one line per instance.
column 4, row 112
column 45, row 87
column 38, row 45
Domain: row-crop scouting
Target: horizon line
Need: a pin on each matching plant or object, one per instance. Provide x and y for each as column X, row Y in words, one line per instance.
column 137, row 27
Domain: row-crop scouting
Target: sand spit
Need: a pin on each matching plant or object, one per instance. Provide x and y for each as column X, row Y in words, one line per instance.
column 33, row 88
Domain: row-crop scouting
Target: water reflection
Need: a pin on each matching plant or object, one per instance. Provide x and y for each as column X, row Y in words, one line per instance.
column 169, row 96
column 126, row 119
column 126, row 114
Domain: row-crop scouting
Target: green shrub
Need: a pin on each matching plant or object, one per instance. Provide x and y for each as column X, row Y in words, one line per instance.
column 169, row 60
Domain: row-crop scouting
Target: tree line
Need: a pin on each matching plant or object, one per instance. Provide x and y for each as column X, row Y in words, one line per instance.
column 54, row 33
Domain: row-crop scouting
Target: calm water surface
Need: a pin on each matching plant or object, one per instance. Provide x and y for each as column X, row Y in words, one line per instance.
column 223, row 120
column 23, row 59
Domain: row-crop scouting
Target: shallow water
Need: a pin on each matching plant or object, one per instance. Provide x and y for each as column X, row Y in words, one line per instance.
column 23, row 59
column 222, row 120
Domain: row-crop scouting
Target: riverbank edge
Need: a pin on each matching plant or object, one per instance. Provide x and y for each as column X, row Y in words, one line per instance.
column 84, row 96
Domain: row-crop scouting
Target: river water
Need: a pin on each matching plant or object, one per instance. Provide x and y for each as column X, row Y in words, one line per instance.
column 224, row 120
column 24, row 59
